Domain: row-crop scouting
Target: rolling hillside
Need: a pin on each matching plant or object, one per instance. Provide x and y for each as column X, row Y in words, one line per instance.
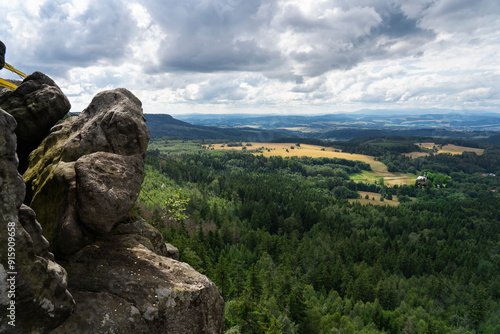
column 161, row 125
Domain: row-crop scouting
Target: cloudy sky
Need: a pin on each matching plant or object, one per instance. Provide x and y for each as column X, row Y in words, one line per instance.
column 263, row 56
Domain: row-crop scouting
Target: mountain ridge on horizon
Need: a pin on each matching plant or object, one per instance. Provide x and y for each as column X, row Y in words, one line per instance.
column 381, row 112
column 342, row 128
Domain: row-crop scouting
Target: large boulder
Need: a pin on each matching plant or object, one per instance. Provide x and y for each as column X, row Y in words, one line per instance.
column 75, row 180
column 133, row 289
column 107, row 186
column 37, row 105
column 33, row 288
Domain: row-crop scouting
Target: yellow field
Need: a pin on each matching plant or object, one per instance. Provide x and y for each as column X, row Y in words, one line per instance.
column 313, row 151
column 451, row 149
column 379, row 170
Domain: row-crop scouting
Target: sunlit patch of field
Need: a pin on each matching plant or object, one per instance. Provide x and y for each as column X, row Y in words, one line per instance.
column 454, row 149
column 389, row 177
column 301, row 129
column 450, row 148
column 249, row 126
column 304, row 150
column 379, row 170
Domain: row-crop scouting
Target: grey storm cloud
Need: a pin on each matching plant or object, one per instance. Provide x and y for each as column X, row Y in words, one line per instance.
column 101, row 32
column 211, row 36
column 234, row 35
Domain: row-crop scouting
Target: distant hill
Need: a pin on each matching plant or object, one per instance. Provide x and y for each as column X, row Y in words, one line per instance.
column 328, row 127
column 362, row 120
column 162, row 125
column 347, row 134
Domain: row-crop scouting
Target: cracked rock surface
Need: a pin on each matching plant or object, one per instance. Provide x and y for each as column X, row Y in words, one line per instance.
column 139, row 291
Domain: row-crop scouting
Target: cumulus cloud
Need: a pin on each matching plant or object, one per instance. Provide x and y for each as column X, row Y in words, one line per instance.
column 333, row 54
column 288, row 39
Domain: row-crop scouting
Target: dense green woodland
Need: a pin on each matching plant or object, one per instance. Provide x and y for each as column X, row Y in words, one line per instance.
column 290, row 254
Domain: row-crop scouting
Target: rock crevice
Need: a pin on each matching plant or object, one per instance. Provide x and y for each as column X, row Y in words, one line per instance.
column 41, row 298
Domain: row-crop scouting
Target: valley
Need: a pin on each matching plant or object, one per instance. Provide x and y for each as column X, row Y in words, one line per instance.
column 304, row 235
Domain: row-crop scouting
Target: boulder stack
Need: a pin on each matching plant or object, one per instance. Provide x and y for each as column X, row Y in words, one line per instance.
column 82, row 181
column 85, row 176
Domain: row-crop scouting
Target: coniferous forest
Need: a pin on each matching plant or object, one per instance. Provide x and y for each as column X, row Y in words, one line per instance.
column 290, row 253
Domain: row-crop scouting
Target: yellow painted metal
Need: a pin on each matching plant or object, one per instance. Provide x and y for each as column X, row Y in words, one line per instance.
column 13, row 69
column 7, row 84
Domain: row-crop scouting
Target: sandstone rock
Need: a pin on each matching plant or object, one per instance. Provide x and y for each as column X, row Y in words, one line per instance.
column 82, row 181
column 41, row 299
column 168, row 296
column 101, row 312
column 37, row 104
column 107, row 186
column 154, row 240
column 172, row 252
column 12, row 189
column 27, row 218
column 79, row 195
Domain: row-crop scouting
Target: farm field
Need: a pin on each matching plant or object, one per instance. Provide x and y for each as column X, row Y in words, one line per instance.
column 379, row 170
column 304, row 150
column 450, row 148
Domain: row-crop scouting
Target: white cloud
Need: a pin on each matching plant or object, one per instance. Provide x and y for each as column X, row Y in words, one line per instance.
column 263, row 55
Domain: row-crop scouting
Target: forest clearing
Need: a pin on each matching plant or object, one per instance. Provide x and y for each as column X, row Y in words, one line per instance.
column 374, row 199
column 379, row 170
column 446, row 149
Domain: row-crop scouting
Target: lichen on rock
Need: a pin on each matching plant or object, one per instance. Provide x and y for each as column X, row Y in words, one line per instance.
column 42, row 300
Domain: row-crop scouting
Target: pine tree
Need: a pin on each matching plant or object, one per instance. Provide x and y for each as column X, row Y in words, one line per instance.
column 253, row 283
column 477, row 307
column 297, row 307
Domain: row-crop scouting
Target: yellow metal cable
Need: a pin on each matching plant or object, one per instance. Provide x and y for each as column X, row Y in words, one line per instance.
column 4, row 83
column 12, row 69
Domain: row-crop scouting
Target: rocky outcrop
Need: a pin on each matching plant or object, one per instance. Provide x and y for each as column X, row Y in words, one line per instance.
column 37, row 104
column 139, row 291
column 28, row 275
column 75, row 180
column 172, row 252
column 82, row 182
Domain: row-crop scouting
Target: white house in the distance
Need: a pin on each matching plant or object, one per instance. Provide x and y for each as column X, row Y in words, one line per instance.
column 422, row 178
